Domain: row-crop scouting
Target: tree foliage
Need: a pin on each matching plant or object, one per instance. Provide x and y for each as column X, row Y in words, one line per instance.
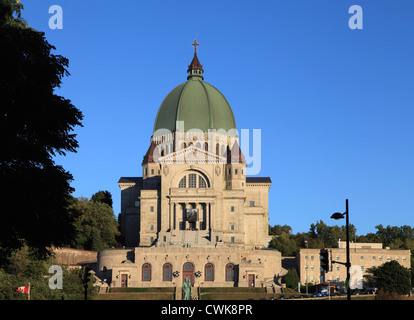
column 102, row 196
column 24, row 267
column 390, row 277
column 96, row 226
column 292, row 279
column 35, row 125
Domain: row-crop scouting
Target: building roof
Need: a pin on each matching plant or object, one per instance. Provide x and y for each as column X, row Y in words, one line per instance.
column 130, row 180
column 258, row 180
column 197, row 103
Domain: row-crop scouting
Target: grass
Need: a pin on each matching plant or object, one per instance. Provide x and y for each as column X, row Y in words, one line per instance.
column 137, row 294
column 231, row 293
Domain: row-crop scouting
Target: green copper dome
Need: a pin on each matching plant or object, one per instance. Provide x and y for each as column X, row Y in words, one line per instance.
column 195, row 102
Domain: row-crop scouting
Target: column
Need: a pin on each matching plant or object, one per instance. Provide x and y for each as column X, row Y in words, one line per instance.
column 207, row 222
column 174, row 216
column 211, row 215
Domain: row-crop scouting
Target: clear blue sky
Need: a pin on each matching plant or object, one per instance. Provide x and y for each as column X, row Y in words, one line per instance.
column 335, row 105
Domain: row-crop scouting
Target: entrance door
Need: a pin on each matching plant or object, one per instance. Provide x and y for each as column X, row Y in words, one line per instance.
column 251, row 280
column 188, row 272
column 124, row 280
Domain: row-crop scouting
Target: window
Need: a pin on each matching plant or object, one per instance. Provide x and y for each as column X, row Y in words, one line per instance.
column 152, row 171
column 167, row 272
column 232, row 239
column 137, row 203
column 182, row 183
column 192, row 180
column 151, row 239
column 235, row 171
column 209, row 272
column 152, row 227
column 230, row 272
column 201, row 182
column 252, row 203
column 146, row 272
column 232, row 208
column 152, row 208
column 232, row 227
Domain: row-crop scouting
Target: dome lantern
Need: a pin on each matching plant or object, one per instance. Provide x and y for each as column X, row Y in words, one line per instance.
column 195, row 69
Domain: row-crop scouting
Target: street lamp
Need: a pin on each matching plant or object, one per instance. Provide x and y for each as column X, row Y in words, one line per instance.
column 337, row 216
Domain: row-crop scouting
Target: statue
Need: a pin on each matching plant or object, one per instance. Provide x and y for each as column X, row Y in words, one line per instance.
column 187, row 290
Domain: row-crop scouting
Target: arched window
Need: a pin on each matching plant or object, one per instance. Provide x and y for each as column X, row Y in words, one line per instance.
column 209, row 272
column 193, row 180
column 201, row 182
column 183, row 182
column 146, row 272
column 229, row 272
column 167, row 272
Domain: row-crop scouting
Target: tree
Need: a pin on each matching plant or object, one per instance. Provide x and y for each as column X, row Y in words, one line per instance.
column 391, row 277
column 96, row 225
column 286, row 245
column 292, row 279
column 103, row 196
column 277, row 230
column 35, row 125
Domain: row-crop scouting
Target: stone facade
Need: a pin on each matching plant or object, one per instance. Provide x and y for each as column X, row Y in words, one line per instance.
column 204, row 266
column 231, row 209
column 362, row 256
column 193, row 213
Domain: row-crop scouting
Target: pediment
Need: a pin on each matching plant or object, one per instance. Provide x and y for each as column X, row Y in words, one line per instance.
column 192, row 154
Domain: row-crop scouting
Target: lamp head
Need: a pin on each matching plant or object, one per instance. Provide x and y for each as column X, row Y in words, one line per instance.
column 337, row 216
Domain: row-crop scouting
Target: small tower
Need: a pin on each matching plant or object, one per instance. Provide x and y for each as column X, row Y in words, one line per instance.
column 195, row 69
column 235, row 168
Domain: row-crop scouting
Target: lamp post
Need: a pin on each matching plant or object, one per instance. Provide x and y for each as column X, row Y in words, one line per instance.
column 337, row 216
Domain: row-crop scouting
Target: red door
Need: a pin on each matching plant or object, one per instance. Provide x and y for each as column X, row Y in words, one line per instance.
column 188, row 272
column 124, row 280
column 251, row 280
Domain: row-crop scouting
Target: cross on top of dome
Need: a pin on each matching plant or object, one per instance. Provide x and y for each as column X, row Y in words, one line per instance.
column 195, row 44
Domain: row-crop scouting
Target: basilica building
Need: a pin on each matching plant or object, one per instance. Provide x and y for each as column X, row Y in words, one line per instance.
column 193, row 213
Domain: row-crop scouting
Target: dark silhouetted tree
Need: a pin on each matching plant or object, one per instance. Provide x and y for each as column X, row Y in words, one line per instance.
column 35, row 125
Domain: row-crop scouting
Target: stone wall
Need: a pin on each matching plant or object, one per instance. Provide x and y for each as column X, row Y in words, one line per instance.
column 70, row 256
